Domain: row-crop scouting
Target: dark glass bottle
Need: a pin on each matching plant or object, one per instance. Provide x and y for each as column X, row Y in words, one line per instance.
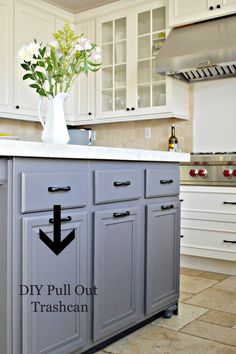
column 173, row 141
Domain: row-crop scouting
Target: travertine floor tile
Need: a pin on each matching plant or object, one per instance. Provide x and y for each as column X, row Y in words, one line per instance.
column 187, row 314
column 228, row 284
column 216, row 299
column 184, row 296
column 188, row 271
column 220, row 318
column 153, row 339
column 214, row 276
column 211, row 331
column 192, row 284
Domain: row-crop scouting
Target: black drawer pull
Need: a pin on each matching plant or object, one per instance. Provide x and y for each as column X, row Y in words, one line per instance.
column 59, row 189
column 181, row 200
column 227, row 241
column 120, row 215
column 230, row 203
column 68, row 218
column 166, row 181
column 120, row 184
column 181, row 236
column 167, row 207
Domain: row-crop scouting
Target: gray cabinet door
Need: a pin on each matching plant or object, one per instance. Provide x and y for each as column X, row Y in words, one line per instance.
column 45, row 329
column 116, row 270
column 162, row 255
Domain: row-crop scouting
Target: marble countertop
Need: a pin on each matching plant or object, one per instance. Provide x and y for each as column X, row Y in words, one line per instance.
column 37, row 149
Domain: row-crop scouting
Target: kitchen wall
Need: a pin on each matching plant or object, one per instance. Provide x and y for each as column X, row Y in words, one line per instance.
column 214, row 126
column 25, row 130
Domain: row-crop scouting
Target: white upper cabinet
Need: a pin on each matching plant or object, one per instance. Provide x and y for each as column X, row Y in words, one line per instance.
column 30, row 23
column 188, row 11
column 6, row 59
column 127, row 86
column 85, row 84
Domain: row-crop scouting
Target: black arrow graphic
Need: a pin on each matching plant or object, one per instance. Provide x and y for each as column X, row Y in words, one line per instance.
column 57, row 245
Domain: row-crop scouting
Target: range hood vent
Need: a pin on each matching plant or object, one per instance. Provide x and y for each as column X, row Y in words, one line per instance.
column 201, row 51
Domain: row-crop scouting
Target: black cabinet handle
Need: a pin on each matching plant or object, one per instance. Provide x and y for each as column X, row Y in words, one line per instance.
column 218, row 6
column 17, row 107
column 59, row 189
column 120, row 184
column 230, row 203
column 181, row 200
column 227, row 241
column 120, row 215
column 211, row 8
column 167, row 207
column 127, row 109
column 89, row 113
column 181, row 236
column 166, row 181
column 68, row 218
column 132, row 109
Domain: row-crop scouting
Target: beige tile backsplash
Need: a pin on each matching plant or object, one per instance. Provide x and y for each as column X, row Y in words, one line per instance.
column 125, row 134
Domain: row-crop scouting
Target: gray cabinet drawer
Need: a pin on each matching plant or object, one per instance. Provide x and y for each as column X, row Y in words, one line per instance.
column 162, row 181
column 40, row 191
column 117, row 185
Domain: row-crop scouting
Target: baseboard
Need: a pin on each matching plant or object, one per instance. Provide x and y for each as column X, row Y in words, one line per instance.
column 208, row 264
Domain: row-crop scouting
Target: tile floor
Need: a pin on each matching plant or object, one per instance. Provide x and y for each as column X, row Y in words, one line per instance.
column 206, row 323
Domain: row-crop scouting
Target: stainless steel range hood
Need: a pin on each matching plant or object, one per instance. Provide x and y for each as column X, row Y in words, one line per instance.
column 200, row 51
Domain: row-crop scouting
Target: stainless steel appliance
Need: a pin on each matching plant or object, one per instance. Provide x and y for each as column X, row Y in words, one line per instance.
column 208, row 168
column 80, row 136
column 200, row 51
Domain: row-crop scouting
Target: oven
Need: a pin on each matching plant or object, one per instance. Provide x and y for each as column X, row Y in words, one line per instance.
column 208, row 209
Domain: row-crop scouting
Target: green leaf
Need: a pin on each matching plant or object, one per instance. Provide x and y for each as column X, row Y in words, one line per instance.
column 25, row 66
column 93, row 64
column 54, row 58
column 34, row 86
column 28, row 76
column 41, row 63
column 40, row 75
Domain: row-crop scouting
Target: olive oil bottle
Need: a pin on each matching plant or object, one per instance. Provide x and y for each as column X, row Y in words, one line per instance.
column 173, row 141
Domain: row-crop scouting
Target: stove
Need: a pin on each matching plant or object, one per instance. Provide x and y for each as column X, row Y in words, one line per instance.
column 210, row 168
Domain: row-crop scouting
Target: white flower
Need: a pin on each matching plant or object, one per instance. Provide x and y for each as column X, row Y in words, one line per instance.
column 24, row 55
column 83, row 44
column 53, row 44
column 96, row 55
column 33, row 48
column 46, row 86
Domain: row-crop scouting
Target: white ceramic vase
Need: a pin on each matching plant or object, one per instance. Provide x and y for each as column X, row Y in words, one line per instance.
column 55, row 129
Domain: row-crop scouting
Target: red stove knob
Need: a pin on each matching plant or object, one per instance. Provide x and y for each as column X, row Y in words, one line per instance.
column 193, row 172
column 202, row 172
column 228, row 173
column 234, row 173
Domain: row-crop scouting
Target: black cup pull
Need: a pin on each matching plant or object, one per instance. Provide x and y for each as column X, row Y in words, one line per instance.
column 167, row 207
column 68, row 218
column 228, row 241
column 166, row 181
column 230, row 203
column 120, row 215
column 127, row 109
column 121, row 184
column 59, row 189
column 218, row 6
column 211, row 8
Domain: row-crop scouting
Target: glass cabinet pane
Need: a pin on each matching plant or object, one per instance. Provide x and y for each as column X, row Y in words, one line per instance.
column 107, row 32
column 159, row 95
column 120, row 29
column 158, row 40
column 107, row 101
column 159, row 19
column 156, row 77
column 144, row 23
column 120, row 76
column 144, row 72
column 107, row 54
column 107, row 78
column 144, row 97
column 144, row 47
column 120, row 99
column 120, row 52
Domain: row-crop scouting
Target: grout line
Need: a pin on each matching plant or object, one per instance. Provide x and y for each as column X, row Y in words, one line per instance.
column 217, row 324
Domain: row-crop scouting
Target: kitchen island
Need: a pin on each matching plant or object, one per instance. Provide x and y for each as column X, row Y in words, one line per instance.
column 89, row 244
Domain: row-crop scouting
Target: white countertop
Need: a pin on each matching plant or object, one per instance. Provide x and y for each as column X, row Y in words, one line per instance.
column 35, row 149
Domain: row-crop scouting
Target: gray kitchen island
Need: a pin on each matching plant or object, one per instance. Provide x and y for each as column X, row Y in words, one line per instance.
column 89, row 244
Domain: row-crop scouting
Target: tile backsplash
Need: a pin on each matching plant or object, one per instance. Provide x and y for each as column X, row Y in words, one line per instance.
column 125, row 134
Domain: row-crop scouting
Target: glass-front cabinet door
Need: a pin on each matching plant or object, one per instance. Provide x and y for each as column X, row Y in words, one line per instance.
column 112, row 78
column 151, row 87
